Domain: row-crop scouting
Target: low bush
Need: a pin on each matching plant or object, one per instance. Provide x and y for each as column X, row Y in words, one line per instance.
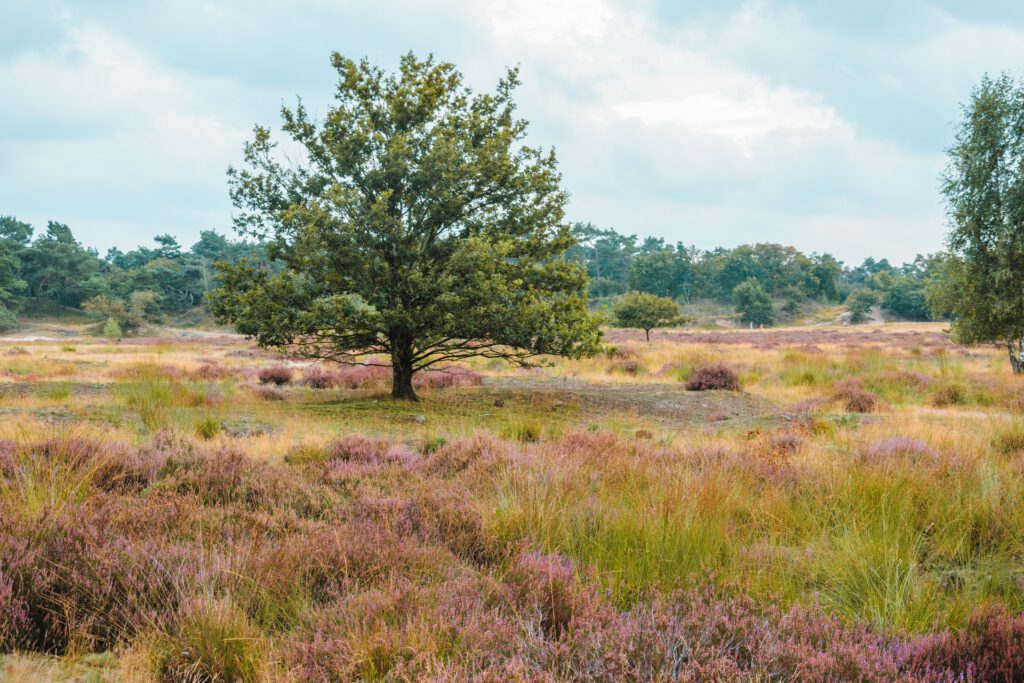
column 627, row 366
column 855, row 398
column 713, row 377
column 317, row 377
column 446, row 377
column 278, row 375
column 268, row 394
column 949, row 394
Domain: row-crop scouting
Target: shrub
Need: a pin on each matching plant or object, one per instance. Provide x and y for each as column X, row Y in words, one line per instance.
column 546, row 585
column 210, row 372
column 111, row 330
column 753, row 303
column 855, row 398
column 988, row 649
column 949, row 394
column 226, row 476
column 268, row 394
column 713, row 376
column 627, row 366
column 316, row 377
column 784, row 443
column 360, row 376
column 278, row 375
column 447, row 376
column 8, row 320
column 482, row 451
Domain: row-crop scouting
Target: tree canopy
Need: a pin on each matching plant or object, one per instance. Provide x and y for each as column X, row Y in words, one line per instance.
column 753, row 303
column 414, row 223
column 984, row 189
column 645, row 311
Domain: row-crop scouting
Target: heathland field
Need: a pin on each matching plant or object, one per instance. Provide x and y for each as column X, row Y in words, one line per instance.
column 188, row 507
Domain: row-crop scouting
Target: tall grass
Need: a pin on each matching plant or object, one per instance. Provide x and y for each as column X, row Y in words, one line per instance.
column 901, row 543
column 149, row 397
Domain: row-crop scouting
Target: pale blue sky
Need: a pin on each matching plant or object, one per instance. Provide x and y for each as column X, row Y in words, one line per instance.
column 818, row 124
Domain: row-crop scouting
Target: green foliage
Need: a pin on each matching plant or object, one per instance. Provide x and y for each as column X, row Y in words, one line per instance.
column 418, row 226
column 214, row 641
column 58, row 270
column 208, row 427
column 984, row 190
column 753, row 303
column 616, row 264
column 127, row 316
column 645, row 311
column 149, row 397
column 111, row 329
column 662, row 272
column 8, row 320
column 907, row 298
column 859, row 304
column 524, row 431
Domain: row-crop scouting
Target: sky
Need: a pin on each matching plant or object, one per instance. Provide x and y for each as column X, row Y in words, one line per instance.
column 708, row 122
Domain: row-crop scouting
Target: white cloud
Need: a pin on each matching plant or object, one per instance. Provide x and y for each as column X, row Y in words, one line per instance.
column 564, row 24
column 100, row 129
column 758, row 121
column 635, row 73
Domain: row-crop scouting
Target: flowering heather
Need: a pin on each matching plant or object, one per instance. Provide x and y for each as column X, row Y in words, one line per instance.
column 362, row 376
column 627, row 366
column 268, row 393
column 855, row 398
column 210, row 371
column 784, row 443
column 949, row 394
column 278, row 375
column 714, row 376
column 896, row 448
column 316, row 377
column 447, row 376
column 594, row 529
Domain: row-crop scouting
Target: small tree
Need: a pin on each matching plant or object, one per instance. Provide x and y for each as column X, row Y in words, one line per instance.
column 984, row 190
column 412, row 223
column 859, row 304
column 753, row 303
column 128, row 315
column 645, row 311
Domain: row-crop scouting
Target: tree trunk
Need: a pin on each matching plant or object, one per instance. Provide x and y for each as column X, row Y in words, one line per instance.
column 1016, row 351
column 401, row 370
column 647, row 332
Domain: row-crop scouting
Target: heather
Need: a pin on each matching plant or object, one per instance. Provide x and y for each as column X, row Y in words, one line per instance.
column 161, row 519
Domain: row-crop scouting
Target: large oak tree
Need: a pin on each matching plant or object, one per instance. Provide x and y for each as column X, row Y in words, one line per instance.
column 414, row 225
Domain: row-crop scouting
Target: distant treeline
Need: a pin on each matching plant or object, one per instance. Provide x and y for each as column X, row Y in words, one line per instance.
column 51, row 270
column 618, row 263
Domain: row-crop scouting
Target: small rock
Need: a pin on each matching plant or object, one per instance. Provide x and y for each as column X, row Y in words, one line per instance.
column 499, row 403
